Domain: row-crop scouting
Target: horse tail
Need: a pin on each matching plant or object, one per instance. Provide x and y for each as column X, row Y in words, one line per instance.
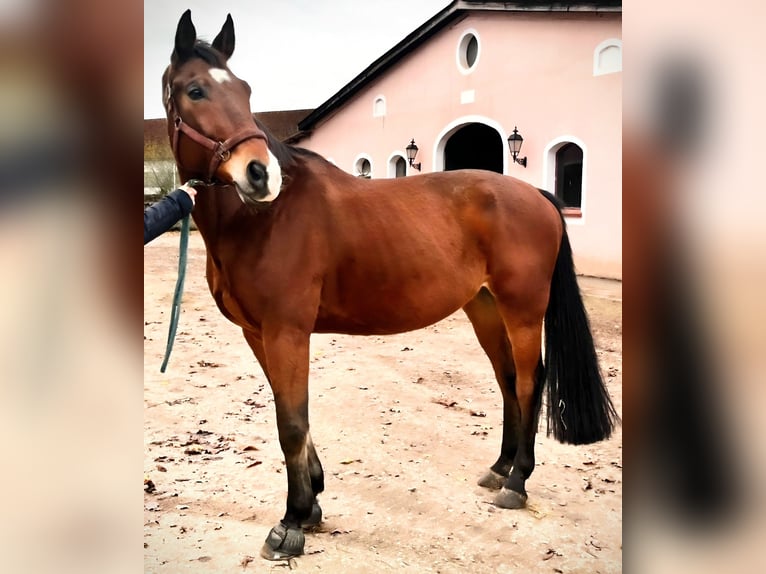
column 579, row 408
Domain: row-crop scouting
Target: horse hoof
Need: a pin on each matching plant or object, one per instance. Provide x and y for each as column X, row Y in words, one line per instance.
column 492, row 480
column 315, row 518
column 507, row 498
column 283, row 543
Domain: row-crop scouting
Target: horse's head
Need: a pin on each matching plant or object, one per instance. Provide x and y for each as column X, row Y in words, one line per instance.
column 211, row 128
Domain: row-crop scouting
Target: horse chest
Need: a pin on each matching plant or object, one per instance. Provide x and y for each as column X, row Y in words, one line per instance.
column 231, row 305
column 244, row 293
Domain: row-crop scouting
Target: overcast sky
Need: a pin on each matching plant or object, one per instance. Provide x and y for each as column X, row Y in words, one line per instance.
column 294, row 53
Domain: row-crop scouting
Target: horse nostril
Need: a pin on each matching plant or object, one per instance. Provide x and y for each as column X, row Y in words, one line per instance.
column 257, row 175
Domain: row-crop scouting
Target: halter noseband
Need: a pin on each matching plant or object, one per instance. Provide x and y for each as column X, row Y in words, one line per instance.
column 221, row 150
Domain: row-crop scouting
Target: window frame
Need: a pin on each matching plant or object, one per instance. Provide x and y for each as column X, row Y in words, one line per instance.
column 356, row 166
column 608, row 43
column 461, row 55
column 375, row 112
column 576, row 216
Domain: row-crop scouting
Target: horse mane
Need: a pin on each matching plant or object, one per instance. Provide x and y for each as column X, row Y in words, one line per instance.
column 286, row 154
column 206, row 52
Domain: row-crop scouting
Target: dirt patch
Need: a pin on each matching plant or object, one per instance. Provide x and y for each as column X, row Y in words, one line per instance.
column 404, row 426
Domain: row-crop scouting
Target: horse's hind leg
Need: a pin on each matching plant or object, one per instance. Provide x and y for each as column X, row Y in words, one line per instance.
column 316, row 474
column 493, row 338
column 522, row 311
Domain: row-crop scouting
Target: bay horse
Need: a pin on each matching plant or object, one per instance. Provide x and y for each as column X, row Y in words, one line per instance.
column 295, row 245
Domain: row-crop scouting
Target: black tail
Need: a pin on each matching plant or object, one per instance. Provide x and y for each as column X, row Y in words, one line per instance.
column 579, row 408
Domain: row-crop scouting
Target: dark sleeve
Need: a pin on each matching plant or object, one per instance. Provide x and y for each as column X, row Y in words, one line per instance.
column 161, row 216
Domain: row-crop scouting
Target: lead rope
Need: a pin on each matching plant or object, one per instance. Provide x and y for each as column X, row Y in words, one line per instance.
column 175, row 310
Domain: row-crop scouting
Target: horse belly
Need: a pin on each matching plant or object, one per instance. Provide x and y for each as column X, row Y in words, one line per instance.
column 396, row 304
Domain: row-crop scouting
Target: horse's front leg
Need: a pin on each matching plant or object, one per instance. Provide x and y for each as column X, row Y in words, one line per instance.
column 255, row 340
column 287, row 355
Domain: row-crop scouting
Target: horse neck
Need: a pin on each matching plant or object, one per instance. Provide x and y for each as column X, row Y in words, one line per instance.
column 213, row 208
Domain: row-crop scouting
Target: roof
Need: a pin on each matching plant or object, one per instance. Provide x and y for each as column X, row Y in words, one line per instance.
column 454, row 11
column 283, row 124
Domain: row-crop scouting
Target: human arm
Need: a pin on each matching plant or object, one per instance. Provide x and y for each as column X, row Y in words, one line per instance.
column 161, row 216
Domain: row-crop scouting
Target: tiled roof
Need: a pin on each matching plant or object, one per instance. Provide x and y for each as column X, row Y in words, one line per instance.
column 283, row 124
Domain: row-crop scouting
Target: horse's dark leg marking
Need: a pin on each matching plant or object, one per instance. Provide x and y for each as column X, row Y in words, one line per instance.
column 316, row 474
column 493, row 338
column 522, row 310
column 284, row 359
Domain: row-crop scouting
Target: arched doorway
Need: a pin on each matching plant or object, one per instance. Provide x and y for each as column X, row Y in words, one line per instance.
column 474, row 146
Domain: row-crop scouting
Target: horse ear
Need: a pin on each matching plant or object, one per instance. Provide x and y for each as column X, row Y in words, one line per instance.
column 224, row 41
column 186, row 35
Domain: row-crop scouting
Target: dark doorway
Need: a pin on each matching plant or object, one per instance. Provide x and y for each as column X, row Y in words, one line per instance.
column 475, row 146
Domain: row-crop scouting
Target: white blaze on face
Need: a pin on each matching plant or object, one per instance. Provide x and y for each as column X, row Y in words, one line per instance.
column 275, row 178
column 236, row 169
column 220, row 75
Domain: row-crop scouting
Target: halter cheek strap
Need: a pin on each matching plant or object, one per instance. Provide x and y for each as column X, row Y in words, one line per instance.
column 220, row 150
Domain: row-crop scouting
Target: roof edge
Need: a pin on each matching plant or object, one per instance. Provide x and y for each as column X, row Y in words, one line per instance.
column 428, row 29
column 412, row 40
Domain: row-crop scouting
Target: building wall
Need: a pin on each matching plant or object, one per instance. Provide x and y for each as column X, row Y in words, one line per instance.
column 534, row 71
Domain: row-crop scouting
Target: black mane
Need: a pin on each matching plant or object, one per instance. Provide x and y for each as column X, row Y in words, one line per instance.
column 286, row 154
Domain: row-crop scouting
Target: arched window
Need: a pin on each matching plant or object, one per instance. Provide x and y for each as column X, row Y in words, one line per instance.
column 363, row 167
column 397, row 165
column 569, row 175
column 379, row 107
column 607, row 57
column 401, row 167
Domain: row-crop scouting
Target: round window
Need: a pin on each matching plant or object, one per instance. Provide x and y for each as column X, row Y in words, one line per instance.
column 363, row 168
column 468, row 51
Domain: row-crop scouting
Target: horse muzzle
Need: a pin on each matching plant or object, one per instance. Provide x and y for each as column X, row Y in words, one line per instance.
column 256, row 180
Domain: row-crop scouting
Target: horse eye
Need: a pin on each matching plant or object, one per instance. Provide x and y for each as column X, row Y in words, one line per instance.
column 196, row 93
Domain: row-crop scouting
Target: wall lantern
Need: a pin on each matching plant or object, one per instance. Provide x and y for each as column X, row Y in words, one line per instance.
column 514, row 143
column 412, row 151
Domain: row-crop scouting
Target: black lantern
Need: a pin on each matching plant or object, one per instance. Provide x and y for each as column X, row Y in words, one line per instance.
column 412, row 151
column 514, row 144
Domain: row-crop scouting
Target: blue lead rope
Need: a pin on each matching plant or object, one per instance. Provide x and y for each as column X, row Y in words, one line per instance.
column 175, row 311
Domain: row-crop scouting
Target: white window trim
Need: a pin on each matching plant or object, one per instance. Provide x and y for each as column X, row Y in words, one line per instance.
column 375, row 114
column 460, row 48
column 391, row 163
column 359, row 157
column 549, row 173
column 597, row 71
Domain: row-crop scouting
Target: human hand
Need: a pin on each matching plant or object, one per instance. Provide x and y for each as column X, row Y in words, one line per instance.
column 190, row 191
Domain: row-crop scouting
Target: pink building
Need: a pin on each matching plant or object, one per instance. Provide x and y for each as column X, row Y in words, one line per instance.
column 459, row 85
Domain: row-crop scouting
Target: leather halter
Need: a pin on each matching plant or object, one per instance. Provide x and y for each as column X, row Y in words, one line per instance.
column 221, row 150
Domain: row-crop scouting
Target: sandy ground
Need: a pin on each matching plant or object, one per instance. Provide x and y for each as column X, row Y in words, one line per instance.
column 404, row 426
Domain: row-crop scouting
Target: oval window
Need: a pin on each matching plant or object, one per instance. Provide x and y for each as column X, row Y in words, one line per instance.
column 468, row 51
column 471, row 51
